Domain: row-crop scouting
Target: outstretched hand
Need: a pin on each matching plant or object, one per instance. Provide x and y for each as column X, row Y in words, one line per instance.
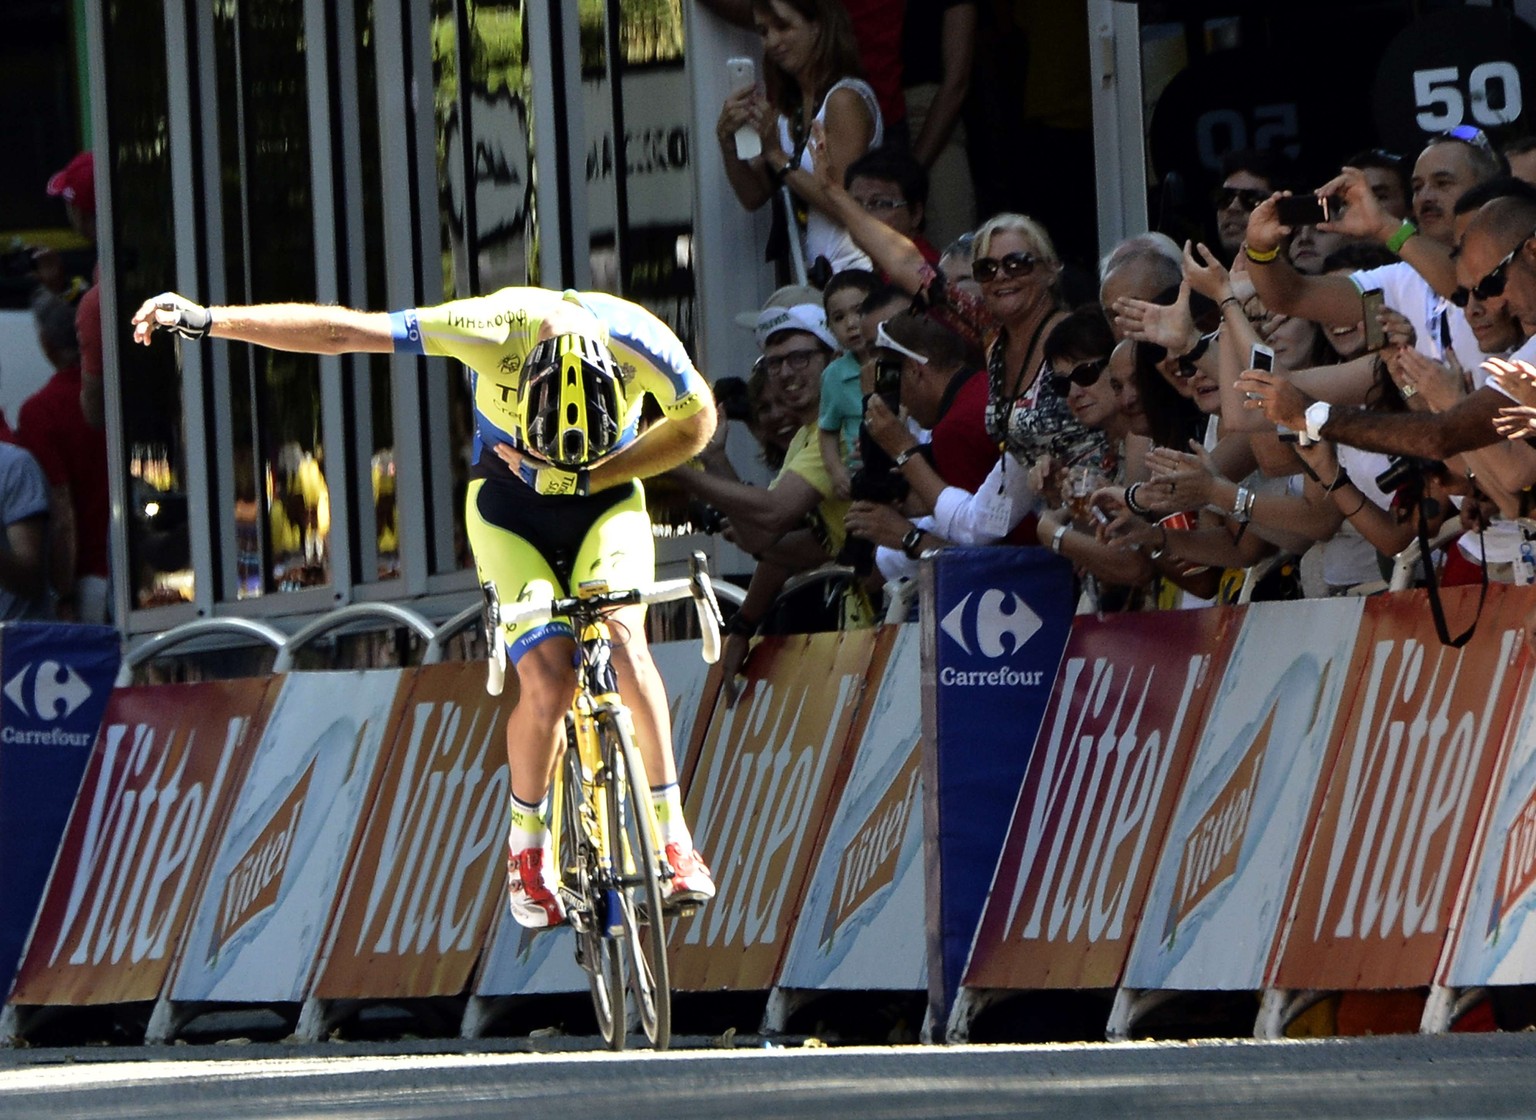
column 1516, row 380
column 170, row 312
column 1204, row 273
column 1272, row 392
column 1167, row 325
column 1362, row 215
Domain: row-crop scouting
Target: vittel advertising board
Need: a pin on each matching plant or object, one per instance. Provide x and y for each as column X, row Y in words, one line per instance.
column 761, row 788
column 1103, row 781
column 858, row 926
column 1218, row 897
column 149, row 815
column 282, row 863
column 429, row 870
column 1495, row 939
column 1395, row 821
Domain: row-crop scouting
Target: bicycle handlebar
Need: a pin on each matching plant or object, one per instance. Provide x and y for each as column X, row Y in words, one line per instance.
column 696, row 586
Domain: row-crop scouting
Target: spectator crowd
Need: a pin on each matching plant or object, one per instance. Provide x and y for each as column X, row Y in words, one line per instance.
column 1342, row 375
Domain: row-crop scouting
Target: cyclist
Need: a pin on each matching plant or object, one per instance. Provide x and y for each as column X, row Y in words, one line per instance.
column 555, row 500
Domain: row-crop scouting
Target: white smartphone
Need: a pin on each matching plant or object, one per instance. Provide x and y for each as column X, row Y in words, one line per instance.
column 1260, row 357
column 743, row 75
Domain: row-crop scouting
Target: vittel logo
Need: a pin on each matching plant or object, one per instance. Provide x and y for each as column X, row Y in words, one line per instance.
column 437, row 862
column 255, row 882
column 145, row 826
column 1103, row 764
column 762, row 792
column 1404, row 790
column 997, row 615
column 1210, row 853
column 47, row 690
column 1517, row 868
column 868, row 863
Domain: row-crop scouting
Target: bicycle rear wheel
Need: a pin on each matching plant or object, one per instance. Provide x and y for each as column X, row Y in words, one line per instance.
column 632, row 838
column 601, row 957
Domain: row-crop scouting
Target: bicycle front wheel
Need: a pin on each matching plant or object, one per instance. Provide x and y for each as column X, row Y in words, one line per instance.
column 632, row 836
column 581, row 882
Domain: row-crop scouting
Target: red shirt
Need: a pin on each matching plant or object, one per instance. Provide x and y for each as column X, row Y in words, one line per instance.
column 71, row 452
column 963, row 453
column 877, row 27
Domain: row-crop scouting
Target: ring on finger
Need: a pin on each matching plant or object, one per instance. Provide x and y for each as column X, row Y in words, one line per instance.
column 1410, row 389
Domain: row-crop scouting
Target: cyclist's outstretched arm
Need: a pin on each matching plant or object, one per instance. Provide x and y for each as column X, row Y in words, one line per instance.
column 302, row 327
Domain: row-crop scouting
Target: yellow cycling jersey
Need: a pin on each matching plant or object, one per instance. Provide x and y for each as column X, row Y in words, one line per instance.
column 493, row 334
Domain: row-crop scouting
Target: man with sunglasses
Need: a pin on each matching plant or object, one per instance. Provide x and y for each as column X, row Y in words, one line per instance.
column 1493, row 263
column 1248, row 177
column 1415, row 285
column 947, row 398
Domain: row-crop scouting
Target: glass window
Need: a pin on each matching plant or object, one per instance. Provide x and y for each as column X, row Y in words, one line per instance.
column 490, row 232
column 281, row 501
column 374, row 402
column 159, row 546
column 640, row 192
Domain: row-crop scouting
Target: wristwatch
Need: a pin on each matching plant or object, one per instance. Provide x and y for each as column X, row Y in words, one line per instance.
column 911, row 541
column 1317, row 416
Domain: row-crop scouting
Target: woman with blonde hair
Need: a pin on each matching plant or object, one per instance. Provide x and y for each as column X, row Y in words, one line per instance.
column 1017, row 268
column 811, row 77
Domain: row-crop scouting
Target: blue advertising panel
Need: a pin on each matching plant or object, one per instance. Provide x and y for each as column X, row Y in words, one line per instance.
column 994, row 624
column 54, row 683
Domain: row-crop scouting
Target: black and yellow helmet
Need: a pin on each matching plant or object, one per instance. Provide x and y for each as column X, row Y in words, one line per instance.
column 571, row 404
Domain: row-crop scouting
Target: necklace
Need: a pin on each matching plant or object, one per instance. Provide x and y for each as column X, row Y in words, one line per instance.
column 1000, row 405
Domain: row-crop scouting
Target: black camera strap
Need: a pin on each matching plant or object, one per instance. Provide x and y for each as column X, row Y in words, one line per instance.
column 1433, row 586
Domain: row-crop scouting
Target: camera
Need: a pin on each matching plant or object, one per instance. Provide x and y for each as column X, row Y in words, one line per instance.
column 705, row 518
column 1402, row 470
column 1305, row 210
column 888, row 382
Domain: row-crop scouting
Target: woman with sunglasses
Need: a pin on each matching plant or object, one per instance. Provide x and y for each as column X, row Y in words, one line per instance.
column 1001, row 508
column 811, row 79
column 1017, row 268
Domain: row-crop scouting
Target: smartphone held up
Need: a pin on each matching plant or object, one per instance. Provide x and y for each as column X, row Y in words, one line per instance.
column 743, row 75
column 1305, row 210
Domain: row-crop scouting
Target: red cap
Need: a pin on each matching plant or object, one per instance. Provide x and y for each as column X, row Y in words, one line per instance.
column 77, row 182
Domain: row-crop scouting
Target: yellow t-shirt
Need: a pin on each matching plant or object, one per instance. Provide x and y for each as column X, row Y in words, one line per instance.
column 803, row 457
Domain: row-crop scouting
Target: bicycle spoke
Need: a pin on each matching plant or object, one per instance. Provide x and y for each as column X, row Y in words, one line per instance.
column 631, row 829
column 600, row 956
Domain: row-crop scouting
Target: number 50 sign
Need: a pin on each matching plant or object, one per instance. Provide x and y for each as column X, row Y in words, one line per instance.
column 1461, row 66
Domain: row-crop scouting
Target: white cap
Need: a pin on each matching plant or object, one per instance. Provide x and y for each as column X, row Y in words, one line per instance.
column 807, row 317
column 788, row 296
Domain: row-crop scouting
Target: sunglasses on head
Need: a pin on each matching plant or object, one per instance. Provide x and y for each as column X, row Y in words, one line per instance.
column 1083, row 374
column 1467, row 134
column 1490, row 286
column 1013, row 265
column 1246, row 197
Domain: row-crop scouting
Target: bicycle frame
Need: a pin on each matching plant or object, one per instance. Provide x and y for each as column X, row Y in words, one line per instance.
column 597, row 698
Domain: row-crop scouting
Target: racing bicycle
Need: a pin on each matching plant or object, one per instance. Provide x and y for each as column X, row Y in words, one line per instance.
column 607, row 841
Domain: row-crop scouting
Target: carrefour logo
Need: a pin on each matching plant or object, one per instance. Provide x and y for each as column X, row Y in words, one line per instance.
column 57, row 690
column 997, row 614
column 981, row 629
